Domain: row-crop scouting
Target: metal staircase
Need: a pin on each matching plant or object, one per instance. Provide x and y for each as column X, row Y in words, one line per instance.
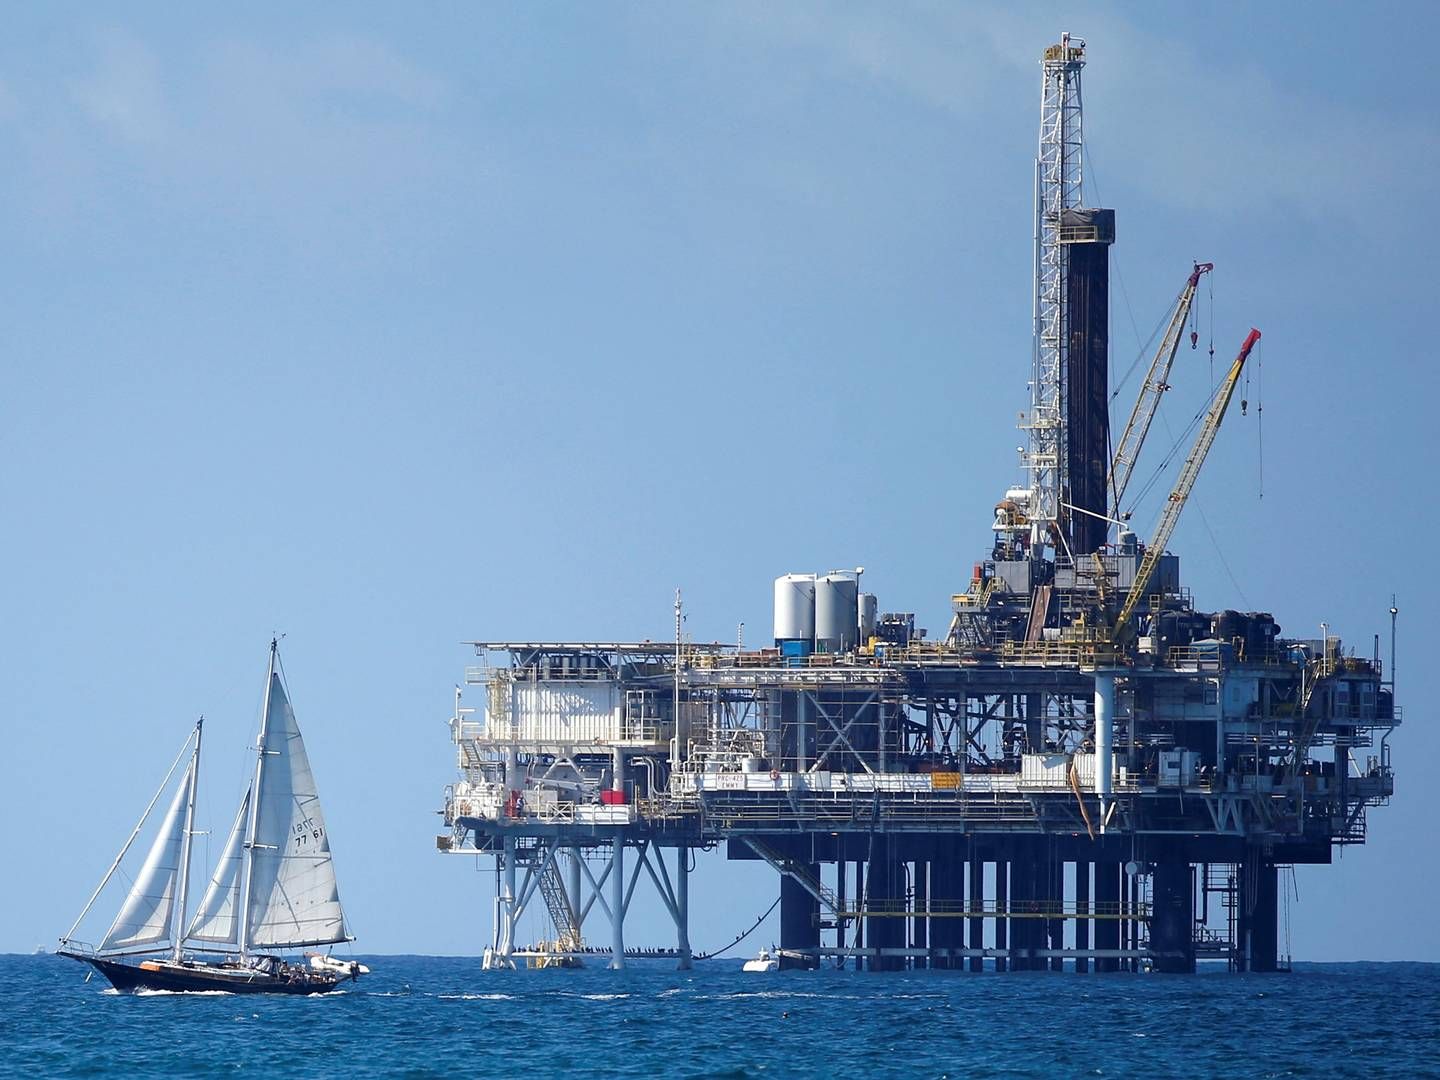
column 797, row 872
column 557, row 903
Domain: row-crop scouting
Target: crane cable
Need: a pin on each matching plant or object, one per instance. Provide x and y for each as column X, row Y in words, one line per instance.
column 1180, row 443
column 1260, row 414
column 1211, row 285
column 1193, row 501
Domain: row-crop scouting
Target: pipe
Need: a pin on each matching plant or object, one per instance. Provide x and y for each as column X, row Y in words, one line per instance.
column 507, row 933
column 617, row 782
column 1104, row 738
column 802, row 734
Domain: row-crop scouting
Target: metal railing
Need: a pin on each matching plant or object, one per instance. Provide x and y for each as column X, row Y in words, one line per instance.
column 1094, row 652
column 1098, row 910
column 731, row 808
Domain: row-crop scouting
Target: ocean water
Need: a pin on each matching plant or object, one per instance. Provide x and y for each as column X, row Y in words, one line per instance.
column 435, row 1016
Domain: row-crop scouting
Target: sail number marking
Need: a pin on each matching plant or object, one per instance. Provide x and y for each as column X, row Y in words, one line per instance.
column 305, row 831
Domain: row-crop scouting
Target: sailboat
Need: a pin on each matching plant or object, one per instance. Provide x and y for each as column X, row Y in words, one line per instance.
column 272, row 889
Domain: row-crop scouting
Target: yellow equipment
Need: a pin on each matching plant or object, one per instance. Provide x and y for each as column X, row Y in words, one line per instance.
column 1127, row 450
column 1123, row 629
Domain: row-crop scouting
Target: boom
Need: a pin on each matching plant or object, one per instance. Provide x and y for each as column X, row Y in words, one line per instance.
column 1183, row 485
column 1128, row 449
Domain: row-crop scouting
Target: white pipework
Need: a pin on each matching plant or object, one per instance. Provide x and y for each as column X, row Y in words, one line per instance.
column 1104, row 740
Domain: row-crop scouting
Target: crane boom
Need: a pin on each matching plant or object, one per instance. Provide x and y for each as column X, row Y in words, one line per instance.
column 1127, row 450
column 1183, row 485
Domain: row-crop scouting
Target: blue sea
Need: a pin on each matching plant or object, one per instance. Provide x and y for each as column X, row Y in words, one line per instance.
column 443, row 1017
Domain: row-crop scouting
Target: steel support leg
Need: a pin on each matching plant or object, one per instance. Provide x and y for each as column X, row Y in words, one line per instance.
column 1172, row 921
column 617, row 903
column 799, row 922
column 976, row 905
column 575, row 901
column 922, row 927
column 682, row 904
column 1055, row 896
column 1260, row 909
column 507, row 908
column 1021, row 903
column 1002, row 905
column 1107, row 905
column 886, row 929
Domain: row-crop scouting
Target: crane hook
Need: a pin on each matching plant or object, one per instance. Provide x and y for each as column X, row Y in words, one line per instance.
column 1194, row 340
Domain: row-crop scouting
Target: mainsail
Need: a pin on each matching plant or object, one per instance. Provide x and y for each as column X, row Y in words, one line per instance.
column 292, row 897
column 217, row 919
column 149, row 910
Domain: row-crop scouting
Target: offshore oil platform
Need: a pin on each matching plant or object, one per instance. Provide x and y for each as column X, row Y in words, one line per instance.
column 1087, row 771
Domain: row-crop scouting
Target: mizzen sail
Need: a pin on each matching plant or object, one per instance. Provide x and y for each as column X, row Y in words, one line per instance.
column 293, row 898
column 217, row 919
column 146, row 916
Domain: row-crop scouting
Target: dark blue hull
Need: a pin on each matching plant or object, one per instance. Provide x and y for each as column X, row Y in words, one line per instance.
column 195, row 976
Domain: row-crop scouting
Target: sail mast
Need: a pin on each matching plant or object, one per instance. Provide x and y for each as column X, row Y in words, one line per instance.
column 255, row 806
column 187, row 840
column 121, row 857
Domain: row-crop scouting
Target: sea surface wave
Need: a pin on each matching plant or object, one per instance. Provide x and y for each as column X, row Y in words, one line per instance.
column 443, row 1017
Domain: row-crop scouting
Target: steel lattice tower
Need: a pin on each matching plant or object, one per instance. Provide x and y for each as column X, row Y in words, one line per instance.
column 1058, row 180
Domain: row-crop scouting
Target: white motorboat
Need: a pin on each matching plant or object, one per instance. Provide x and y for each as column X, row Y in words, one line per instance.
column 765, row 961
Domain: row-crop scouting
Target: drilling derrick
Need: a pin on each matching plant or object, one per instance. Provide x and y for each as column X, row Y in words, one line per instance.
column 1068, row 422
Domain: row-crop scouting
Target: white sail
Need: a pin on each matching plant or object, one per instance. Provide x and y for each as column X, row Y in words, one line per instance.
column 293, row 899
column 217, row 919
column 149, row 909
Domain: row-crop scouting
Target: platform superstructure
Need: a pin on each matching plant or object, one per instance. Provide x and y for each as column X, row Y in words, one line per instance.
column 1083, row 769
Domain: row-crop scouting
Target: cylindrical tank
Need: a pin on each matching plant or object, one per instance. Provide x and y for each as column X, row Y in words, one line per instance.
column 1230, row 625
column 837, row 612
column 795, row 608
column 869, row 610
column 1260, row 637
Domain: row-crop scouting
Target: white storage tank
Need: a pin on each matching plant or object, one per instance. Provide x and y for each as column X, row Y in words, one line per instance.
column 795, row 608
column 837, row 612
column 869, row 611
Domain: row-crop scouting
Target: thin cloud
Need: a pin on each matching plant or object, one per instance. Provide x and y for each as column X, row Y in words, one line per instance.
column 123, row 95
column 1143, row 91
column 315, row 141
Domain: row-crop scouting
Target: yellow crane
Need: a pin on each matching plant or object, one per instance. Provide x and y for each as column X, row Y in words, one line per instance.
column 1123, row 628
column 1127, row 450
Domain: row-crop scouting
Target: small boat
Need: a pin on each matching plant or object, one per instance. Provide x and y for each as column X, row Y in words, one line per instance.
column 765, row 961
column 553, row 954
column 273, row 888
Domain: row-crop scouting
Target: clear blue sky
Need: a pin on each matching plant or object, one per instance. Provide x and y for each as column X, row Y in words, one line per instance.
column 392, row 327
